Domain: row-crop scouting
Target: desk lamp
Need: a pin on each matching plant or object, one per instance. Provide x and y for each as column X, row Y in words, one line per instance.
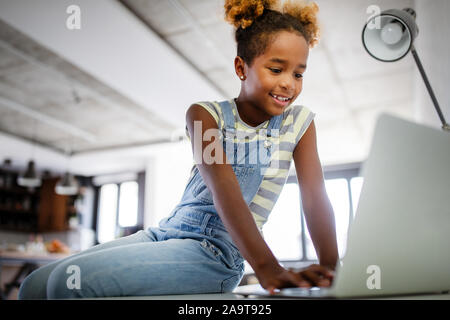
column 389, row 36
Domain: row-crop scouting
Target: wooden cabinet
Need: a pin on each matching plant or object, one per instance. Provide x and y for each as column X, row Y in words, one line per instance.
column 32, row 210
column 53, row 208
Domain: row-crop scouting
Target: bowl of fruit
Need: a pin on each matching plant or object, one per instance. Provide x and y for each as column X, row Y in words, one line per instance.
column 56, row 246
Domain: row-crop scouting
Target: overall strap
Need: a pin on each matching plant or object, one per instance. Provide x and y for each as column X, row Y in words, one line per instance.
column 273, row 129
column 229, row 130
column 228, row 116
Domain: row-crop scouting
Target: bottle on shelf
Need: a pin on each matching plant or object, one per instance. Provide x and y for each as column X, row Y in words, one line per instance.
column 8, row 176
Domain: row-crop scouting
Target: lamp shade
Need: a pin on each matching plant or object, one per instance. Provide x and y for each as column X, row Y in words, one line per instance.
column 29, row 178
column 389, row 36
column 67, row 185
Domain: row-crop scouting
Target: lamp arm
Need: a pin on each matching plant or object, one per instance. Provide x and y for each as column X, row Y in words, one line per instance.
column 445, row 125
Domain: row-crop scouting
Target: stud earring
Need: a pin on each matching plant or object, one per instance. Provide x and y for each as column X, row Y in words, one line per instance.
column 242, row 77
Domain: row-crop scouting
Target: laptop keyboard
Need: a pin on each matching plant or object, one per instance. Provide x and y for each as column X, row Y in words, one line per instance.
column 305, row 292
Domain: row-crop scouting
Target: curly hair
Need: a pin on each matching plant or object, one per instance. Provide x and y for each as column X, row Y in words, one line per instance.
column 257, row 21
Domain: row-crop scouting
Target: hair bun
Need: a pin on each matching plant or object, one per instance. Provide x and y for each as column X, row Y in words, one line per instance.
column 306, row 13
column 242, row 13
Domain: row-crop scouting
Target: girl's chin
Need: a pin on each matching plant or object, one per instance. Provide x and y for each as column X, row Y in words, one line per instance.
column 277, row 110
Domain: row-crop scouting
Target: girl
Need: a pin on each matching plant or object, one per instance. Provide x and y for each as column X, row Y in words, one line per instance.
column 201, row 246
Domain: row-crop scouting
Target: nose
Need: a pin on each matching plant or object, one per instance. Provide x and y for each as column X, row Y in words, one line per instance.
column 287, row 84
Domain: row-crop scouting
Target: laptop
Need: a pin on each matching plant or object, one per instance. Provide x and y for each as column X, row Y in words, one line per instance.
column 398, row 242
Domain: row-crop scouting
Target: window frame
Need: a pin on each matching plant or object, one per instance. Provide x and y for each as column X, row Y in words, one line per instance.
column 343, row 171
column 122, row 231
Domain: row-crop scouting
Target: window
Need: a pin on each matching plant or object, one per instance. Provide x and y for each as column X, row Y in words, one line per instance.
column 286, row 232
column 118, row 209
column 107, row 213
column 128, row 204
column 282, row 231
column 343, row 185
column 337, row 191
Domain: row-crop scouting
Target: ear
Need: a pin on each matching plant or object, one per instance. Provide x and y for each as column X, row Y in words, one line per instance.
column 240, row 67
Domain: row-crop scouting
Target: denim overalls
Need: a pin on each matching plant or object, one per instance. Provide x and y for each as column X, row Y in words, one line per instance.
column 190, row 252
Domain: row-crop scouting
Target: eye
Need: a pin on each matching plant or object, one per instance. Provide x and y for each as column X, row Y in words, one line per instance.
column 275, row 70
column 298, row 75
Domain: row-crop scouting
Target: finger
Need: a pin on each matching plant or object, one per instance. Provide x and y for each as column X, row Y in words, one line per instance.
column 316, row 278
column 324, row 283
column 291, row 279
column 312, row 277
column 271, row 290
column 323, row 271
column 299, row 281
column 304, row 283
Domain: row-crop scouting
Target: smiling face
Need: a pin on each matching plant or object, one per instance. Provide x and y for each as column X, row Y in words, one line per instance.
column 273, row 75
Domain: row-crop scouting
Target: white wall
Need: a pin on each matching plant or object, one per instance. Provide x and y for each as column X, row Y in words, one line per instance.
column 167, row 173
column 105, row 162
column 433, row 47
column 20, row 151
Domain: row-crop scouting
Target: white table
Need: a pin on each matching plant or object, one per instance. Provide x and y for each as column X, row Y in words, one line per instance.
column 27, row 262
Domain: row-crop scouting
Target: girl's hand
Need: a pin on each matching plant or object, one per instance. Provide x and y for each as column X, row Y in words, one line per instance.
column 312, row 276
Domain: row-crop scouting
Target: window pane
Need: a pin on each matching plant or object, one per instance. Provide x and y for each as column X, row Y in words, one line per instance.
column 337, row 191
column 282, row 231
column 356, row 185
column 128, row 204
column 107, row 213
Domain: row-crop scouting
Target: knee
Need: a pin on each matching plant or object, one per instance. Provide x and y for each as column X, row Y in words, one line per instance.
column 33, row 286
column 64, row 282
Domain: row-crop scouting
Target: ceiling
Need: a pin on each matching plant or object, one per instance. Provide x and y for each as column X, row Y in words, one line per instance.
column 47, row 98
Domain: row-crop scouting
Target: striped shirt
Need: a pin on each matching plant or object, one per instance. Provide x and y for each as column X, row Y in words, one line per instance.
column 296, row 120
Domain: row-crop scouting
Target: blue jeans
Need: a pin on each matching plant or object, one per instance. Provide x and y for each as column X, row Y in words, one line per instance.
column 192, row 253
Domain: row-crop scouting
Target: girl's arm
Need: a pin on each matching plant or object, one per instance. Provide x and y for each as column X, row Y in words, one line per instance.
column 319, row 214
column 236, row 216
column 228, row 200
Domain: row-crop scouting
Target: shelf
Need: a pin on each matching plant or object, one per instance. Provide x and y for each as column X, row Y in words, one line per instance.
column 14, row 228
column 20, row 191
column 40, row 208
column 28, row 212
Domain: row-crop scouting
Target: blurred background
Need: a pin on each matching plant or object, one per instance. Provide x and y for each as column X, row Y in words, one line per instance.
column 93, row 96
